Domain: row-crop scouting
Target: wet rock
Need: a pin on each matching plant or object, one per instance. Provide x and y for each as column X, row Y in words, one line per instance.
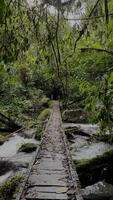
column 78, row 116
column 27, row 133
column 13, row 162
column 86, row 149
column 6, row 166
column 78, row 142
column 28, row 147
column 81, row 129
column 22, row 158
column 4, row 177
column 93, row 170
column 98, row 191
column 84, row 143
column 10, row 147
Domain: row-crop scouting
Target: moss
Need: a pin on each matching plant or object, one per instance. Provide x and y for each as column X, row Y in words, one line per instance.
column 96, row 169
column 79, row 163
column 106, row 157
column 10, row 187
column 3, row 139
column 38, row 133
column 44, row 115
column 28, row 147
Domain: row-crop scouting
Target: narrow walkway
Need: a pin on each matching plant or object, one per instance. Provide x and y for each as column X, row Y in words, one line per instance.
column 51, row 176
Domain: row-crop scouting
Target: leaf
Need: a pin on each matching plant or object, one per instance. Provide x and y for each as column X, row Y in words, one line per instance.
column 110, row 79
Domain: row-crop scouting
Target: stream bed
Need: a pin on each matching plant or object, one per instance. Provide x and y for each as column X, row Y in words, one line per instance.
column 11, row 160
column 94, row 167
column 96, row 177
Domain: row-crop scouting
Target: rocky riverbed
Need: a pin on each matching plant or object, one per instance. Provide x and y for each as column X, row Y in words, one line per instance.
column 93, row 160
column 12, row 161
column 92, row 157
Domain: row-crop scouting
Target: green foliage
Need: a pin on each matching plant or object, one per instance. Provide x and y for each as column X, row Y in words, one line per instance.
column 38, row 133
column 8, row 189
column 44, row 115
column 37, row 61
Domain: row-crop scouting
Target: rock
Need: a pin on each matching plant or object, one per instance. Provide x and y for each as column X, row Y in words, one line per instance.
column 77, row 115
column 84, row 149
column 93, row 170
column 78, row 143
column 81, row 129
column 28, row 147
column 27, row 133
column 98, row 191
column 6, row 166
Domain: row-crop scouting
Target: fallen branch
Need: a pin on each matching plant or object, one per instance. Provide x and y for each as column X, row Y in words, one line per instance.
column 96, row 49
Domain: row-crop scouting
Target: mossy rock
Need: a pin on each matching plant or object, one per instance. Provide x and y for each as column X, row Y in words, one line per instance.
column 99, row 191
column 45, row 114
column 38, row 133
column 96, row 169
column 28, row 147
column 9, row 188
column 106, row 157
column 75, row 116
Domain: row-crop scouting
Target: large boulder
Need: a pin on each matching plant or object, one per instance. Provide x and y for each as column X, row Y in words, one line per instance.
column 96, row 169
column 76, row 116
column 98, row 191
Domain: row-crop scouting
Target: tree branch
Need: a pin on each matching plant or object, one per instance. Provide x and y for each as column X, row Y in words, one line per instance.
column 85, row 26
column 96, row 49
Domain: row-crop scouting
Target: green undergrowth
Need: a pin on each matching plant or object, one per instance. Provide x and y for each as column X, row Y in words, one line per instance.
column 44, row 115
column 23, row 105
column 3, row 139
column 41, row 121
column 9, row 188
column 28, row 147
column 38, row 133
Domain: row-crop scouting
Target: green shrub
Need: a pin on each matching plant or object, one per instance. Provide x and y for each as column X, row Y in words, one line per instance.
column 8, row 189
column 38, row 133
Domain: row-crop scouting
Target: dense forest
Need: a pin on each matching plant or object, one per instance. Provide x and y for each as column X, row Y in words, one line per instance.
column 56, row 50
column 44, row 55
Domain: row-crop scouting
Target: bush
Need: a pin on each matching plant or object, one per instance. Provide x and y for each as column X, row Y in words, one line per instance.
column 8, row 189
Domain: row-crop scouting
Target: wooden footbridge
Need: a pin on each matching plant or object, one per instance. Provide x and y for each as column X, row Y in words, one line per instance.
column 52, row 175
